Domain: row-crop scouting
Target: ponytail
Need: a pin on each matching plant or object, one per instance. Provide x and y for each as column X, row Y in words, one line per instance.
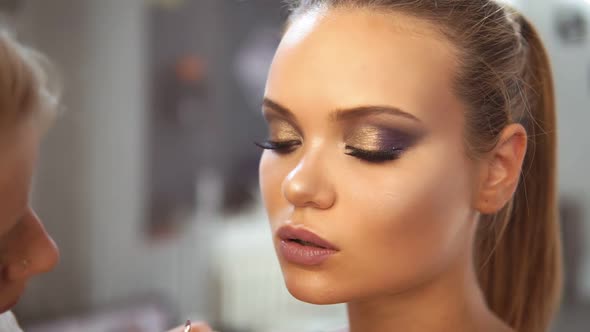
column 519, row 248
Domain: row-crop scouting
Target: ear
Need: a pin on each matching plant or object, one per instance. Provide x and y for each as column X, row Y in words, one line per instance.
column 500, row 170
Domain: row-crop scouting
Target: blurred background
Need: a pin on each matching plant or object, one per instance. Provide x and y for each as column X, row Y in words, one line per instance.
column 148, row 182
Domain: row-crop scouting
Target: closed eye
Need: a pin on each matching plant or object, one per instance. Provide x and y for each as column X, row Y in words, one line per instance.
column 280, row 147
column 377, row 156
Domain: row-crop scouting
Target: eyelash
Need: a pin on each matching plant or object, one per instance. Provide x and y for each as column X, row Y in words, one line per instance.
column 280, row 147
column 374, row 156
column 286, row 147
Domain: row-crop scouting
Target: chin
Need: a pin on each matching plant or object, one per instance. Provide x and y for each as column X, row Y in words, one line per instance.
column 9, row 297
column 313, row 296
column 314, row 287
column 324, row 287
column 7, row 306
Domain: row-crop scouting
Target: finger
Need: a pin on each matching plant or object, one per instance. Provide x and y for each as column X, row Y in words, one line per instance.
column 200, row 327
column 195, row 327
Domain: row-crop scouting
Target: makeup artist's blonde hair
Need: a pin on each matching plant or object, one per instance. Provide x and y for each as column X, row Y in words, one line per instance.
column 504, row 77
column 26, row 86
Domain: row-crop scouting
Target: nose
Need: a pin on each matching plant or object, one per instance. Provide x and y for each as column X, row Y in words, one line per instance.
column 308, row 185
column 33, row 250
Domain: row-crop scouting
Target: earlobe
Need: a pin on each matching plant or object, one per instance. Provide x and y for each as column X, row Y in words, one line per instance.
column 501, row 170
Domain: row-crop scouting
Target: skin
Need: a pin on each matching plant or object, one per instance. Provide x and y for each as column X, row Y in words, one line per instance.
column 195, row 327
column 405, row 227
column 25, row 247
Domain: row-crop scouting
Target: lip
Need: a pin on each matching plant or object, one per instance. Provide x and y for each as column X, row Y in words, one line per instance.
column 286, row 233
column 314, row 253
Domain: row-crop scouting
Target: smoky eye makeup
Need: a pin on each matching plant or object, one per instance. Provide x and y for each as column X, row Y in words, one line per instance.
column 283, row 137
column 379, row 144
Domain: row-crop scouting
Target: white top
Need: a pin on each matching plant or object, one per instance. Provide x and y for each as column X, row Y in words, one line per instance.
column 8, row 323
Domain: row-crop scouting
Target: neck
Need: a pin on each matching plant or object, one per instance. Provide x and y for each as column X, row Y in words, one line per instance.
column 451, row 303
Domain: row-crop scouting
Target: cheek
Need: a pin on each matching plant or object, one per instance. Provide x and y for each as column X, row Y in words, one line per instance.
column 409, row 219
column 15, row 184
column 13, row 197
column 272, row 172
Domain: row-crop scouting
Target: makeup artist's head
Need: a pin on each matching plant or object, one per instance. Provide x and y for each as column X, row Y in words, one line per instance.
column 25, row 106
column 398, row 131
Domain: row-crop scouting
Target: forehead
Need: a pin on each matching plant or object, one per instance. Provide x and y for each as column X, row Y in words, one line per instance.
column 338, row 58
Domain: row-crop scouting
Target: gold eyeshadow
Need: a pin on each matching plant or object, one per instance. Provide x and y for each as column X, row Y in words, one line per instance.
column 374, row 138
column 281, row 130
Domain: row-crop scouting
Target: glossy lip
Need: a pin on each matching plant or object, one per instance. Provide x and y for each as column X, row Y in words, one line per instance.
column 287, row 233
column 308, row 255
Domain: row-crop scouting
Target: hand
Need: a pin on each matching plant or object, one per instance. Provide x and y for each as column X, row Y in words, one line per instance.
column 195, row 327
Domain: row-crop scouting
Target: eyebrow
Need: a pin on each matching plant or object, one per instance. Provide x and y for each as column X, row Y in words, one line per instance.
column 362, row 111
column 344, row 114
column 282, row 110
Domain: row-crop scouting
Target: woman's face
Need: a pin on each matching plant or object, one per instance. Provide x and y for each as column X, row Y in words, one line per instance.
column 25, row 248
column 365, row 151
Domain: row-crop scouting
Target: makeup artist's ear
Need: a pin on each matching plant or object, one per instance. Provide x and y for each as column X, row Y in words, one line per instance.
column 500, row 170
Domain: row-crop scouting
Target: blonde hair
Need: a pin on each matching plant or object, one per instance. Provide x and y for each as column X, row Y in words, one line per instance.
column 504, row 77
column 28, row 86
